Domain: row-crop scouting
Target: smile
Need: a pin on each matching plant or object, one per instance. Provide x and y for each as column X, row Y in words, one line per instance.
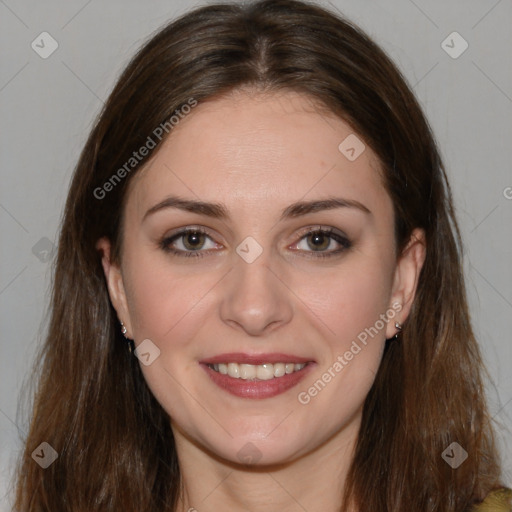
column 256, row 376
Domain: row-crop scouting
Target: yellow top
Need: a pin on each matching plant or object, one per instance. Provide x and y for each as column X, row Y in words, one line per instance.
column 496, row 501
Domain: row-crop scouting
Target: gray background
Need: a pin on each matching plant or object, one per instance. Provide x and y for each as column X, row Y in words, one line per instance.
column 47, row 107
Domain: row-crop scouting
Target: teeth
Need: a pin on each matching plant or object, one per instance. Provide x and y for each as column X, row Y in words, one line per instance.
column 265, row 371
column 279, row 370
column 247, row 371
column 234, row 370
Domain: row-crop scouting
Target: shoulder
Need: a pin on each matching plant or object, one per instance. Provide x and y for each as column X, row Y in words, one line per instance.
column 499, row 500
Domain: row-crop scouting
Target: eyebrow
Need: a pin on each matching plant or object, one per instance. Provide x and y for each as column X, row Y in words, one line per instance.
column 219, row 211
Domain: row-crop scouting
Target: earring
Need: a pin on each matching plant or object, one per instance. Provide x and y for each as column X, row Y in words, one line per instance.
column 131, row 345
column 398, row 327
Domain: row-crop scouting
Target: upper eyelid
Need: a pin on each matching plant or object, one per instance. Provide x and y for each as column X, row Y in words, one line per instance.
column 187, row 229
column 322, row 227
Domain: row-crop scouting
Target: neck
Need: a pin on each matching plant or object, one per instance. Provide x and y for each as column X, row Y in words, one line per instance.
column 315, row 481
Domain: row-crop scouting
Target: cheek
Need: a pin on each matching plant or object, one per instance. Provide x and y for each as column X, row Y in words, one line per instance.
column 350, row 304
column 168, row 308
column 349, row 299
column 161, row 300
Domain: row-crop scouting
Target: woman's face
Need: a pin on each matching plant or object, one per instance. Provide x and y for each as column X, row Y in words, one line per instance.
column 274, row 278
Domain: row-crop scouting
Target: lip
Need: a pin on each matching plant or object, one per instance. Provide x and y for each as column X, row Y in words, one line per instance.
column 257, row 389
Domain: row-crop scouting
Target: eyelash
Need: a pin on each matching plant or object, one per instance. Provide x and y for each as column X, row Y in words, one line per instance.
column 329, row 232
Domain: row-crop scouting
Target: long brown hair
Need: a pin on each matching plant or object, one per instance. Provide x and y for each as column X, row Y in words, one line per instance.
column 114, row 442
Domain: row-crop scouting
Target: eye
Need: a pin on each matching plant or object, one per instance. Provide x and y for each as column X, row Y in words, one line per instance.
column 188, row 242
column 323, row 242
column 195, row 241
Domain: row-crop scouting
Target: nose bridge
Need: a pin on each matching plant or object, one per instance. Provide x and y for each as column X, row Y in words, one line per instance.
column 255, row 298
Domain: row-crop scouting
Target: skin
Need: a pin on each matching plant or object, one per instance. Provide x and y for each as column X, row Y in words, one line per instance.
column 257, row 154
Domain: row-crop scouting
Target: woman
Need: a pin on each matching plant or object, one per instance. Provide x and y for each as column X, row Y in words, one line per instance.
column 258, row 298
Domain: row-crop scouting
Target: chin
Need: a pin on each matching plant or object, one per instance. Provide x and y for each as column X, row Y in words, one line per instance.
column 257, row 452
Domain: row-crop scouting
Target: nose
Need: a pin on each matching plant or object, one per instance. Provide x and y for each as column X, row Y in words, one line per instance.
column 255, row 300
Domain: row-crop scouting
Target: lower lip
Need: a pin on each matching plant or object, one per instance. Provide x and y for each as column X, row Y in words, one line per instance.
column 257, row 389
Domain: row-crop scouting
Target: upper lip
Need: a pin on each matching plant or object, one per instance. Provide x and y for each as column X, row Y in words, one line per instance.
column 240, row 357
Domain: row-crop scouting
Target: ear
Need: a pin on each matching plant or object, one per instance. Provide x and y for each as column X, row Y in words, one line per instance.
column 406, row 278
column 115, row 284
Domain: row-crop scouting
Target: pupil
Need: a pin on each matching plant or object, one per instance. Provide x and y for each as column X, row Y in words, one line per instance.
column 318, row 238
column 193, row 239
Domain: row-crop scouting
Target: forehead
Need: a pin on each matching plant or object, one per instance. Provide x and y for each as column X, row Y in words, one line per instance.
column 252, row 149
